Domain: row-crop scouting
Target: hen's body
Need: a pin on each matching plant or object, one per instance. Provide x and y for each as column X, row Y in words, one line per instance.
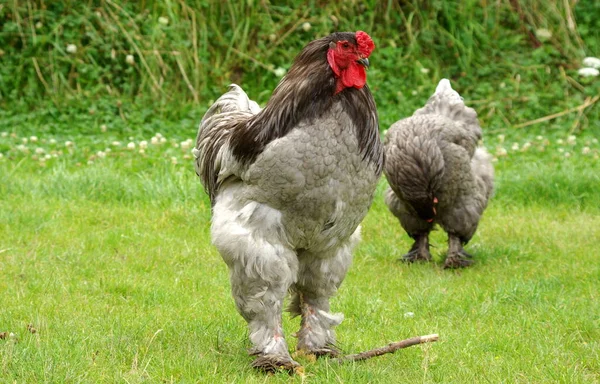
column 437, row 174
column 286, row 217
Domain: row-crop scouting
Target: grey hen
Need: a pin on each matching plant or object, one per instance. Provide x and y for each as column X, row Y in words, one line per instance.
column 438, row 174
column 289, row 185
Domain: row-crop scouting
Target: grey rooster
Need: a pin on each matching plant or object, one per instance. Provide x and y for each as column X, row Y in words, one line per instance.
column 289, row 186
column 438, row 174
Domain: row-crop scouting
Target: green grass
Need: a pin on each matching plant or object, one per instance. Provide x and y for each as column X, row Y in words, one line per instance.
column 109, row 259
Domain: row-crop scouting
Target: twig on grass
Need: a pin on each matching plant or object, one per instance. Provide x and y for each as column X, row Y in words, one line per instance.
column 588, row 102
column 390, row 348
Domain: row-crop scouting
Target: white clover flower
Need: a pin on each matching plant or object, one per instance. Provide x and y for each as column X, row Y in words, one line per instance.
column 586, row 150
column 560, row 141
column 69, row 143
column 526, row 146
column 143, row 144
column 173, row 160
column 408, row 315
column 501, row 138
column 567, row 154
column 591, row 62
column 71, row 48
column 306, row 27
column 279, row 72
column 22, row 148
column 52, row 141
column 154, row 140
column 131, row 145
column 543, row 34
column 47, row 156
column 107, row 150
column 540, row 138
column 501, row 151
column 163, row 20
column 38, row 25
column 595, row 141
column 414, row 93
column 24, row 140
column 163, row 140
column 158, row 134
column 187, row 157
column 424, row 70
column 142, row 151
column 129, row 59
column 39, row 150
column 571, row 139
column 502, row 85
column 101, row 154
column 4, row 134
column 588, row 72
column 103, row 128
column 1, row 155
column 116, row 143
column 33, row 139
column 515, row 147
column 561, row 150
column 272, row 37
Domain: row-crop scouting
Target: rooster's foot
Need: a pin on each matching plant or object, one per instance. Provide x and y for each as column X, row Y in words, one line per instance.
column 416, row 255
column 460, row 259
column 327, row 351
column 274, row 363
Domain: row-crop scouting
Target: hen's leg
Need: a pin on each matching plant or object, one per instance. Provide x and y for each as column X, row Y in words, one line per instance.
column 319, row 277
column 261, row 271
column 419, row 250
column 457, row 256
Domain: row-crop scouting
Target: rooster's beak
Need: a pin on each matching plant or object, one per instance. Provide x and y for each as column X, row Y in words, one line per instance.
column 364, row 62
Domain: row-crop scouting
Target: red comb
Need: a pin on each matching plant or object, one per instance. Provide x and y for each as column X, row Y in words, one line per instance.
column 365, row 44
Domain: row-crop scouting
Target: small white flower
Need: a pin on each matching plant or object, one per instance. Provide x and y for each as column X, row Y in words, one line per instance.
column 129, row 59
column 163, row 140
column 424, row 70
column 22, row 148
column 173, row 160
column 588, row 72
column 526, row 146
column 101, row 154
column 561, row 150
column 595, row 141
column 155, row 140
column 52, row 141
column 592, row 62
column 24, row 140
column 107, row 150
column 33, row 139
column 4, row 134
column 414, row 93
column 272, row 37
column 103, row 128
column 143, row 144
column 38, row 25
column 571, row 139
column 543, row 34
column 515, row 147
column 39, row 150
column 501, row 138
column 71, row 48
column 567, row 154
column 116, row 143
column 279, row 72
column 502, row 85
column 69, row 143
column 187, row 157
column 163, row 20
column 142, row 151
column 500, row 151
column 47, row 156
column 560, row 141
column 586, row 150
column 540, row 138
column 306, row 27
column 131, row 145
column 1, row 155
column 409, row 315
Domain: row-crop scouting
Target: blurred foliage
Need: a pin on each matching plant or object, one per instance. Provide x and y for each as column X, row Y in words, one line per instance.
column 144, row 63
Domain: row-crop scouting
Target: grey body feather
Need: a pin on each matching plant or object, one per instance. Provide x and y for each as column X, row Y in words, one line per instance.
column 435, row 154
column 288, row 218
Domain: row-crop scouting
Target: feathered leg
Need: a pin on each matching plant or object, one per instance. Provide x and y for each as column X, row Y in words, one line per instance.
column 419, row 250
column 457, row 256
column 262, row 269
column 319, row 277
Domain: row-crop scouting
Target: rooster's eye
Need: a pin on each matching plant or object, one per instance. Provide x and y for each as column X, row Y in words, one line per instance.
column 345, row 44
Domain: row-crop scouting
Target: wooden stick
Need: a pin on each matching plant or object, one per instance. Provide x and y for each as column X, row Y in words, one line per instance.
column 588, row 102
column 390, row 348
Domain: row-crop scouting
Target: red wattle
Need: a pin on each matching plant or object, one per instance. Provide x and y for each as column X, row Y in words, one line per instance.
column 354, row 76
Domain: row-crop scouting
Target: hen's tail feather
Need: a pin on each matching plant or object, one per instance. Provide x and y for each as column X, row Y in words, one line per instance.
column 447, row 102
column 212, row 154
column 482, row 167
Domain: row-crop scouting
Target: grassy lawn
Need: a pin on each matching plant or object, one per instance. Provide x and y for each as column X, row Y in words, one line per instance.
column 106, row 254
